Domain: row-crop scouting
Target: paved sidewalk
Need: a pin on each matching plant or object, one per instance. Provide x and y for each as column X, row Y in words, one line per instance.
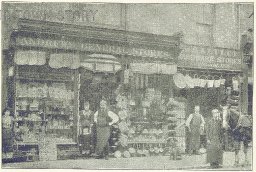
column 194, row 162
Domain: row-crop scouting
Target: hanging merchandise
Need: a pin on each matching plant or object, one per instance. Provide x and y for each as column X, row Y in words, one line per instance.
column 222, row 81
column 203, row 81
column 189, row 81
column 126, row 76
column 196, row 80
column 154, row 68
column 235, row 83
column 30, row 57
column 179, row 80
column 210, row 82
column 217, row 82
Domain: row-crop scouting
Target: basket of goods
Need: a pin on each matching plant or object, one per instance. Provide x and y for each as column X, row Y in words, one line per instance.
column 189, row 81
column 132, row 151
column 202, row 150
column 122, row 115
column 156, row 150
column 127, row 154
column 117, row 154
column 123, row 140
column 179, row 80
column 123, row 127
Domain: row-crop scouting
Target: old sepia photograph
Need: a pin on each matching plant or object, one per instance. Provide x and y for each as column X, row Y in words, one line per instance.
column 128, row 86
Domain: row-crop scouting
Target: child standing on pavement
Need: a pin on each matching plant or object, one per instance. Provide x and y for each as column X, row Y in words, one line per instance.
column 85, row 124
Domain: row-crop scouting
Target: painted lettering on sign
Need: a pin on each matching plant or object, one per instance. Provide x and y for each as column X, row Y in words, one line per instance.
column 59, row 15
column 219, row 60
column 100, row 48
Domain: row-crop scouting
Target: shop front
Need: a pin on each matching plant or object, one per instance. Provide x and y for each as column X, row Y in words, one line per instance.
column 57, row 67
column 213, row 78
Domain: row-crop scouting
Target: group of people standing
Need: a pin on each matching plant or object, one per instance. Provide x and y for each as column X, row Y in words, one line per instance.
column 215, row 129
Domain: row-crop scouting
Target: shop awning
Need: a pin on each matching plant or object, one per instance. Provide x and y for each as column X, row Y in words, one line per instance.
column 68, row 60
column 30, row 57
column 154, row 68
column 101, row 63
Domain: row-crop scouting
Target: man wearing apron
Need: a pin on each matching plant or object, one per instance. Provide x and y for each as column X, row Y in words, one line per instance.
column 103, row 119
column 194, row 123
column 7, row 134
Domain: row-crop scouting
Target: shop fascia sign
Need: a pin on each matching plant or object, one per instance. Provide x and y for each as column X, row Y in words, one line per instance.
column 210, row 58
column 92, row 47
column 57, row 15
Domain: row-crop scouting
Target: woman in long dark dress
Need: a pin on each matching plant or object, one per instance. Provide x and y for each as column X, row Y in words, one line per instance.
column 214, row 140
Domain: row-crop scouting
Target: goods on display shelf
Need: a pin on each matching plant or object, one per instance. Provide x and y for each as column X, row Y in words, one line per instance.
column 44, row 111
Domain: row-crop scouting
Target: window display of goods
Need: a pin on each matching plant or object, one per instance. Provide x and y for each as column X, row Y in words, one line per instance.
column 32, row 89
column 22, row 105
column 38, row 90
column 34, row 105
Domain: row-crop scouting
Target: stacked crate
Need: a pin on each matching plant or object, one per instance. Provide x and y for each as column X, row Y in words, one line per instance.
column 177, row 112
column 181, row 127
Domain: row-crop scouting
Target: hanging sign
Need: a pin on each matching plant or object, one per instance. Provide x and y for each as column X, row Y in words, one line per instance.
column 93, row 47
column 210, row 58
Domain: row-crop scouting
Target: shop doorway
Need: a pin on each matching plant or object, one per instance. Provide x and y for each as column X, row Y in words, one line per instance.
column 95, row 86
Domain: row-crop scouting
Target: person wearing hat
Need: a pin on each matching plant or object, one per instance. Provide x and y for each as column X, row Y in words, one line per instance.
column 214, row 140
column 85, row 124
column 195, row 123
column 103, row 119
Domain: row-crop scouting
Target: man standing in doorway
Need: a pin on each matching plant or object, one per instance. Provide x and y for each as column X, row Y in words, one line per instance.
column 195, row 122
column 103, row 118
